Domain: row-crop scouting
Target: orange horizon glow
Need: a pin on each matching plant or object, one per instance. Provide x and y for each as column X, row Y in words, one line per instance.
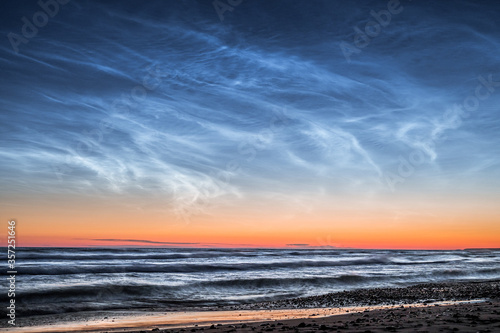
column 416, row 225
column 427, row 239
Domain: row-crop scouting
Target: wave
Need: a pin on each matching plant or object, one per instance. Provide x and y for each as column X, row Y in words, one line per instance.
column 189, row 292
column 116, row 291
column 140, row 267
column 110, row 254
column 182, row 253
column 257, row 283
column 62, row 280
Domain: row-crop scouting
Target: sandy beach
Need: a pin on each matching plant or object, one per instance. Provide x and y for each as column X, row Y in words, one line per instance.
column 443, row 307
column 461, row 317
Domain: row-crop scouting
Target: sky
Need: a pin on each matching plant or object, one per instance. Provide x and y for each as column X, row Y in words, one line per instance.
column 366, row 124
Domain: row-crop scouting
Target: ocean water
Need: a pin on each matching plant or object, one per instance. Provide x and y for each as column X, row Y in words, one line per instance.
column 54, row 280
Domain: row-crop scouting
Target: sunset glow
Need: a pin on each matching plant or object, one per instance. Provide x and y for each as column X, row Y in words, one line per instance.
column 185, row 126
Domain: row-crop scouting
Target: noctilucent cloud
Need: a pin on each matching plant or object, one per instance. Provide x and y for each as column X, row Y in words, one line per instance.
column 199, row 101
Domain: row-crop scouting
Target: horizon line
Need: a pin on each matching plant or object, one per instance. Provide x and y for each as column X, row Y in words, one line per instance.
column 259, row 248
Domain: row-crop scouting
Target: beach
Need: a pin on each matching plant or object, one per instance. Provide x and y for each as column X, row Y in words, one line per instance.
column 431, row 307
column 118, row 290
column 458, row 317
column 81, row 280
column 225, row 166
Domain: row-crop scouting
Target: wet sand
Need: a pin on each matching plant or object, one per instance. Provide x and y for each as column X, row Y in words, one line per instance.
column 462, row 317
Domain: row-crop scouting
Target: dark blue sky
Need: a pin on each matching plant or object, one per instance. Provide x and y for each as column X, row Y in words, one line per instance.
column 163, row 99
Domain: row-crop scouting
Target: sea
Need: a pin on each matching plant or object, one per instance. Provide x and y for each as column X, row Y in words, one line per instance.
column 57, row 280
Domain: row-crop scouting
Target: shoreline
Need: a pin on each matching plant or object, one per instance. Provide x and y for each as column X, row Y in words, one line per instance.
column 473, row 316
column 435, row 296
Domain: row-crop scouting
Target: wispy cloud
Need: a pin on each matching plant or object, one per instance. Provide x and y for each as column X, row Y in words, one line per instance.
column 143, row 241
column 220, row 84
